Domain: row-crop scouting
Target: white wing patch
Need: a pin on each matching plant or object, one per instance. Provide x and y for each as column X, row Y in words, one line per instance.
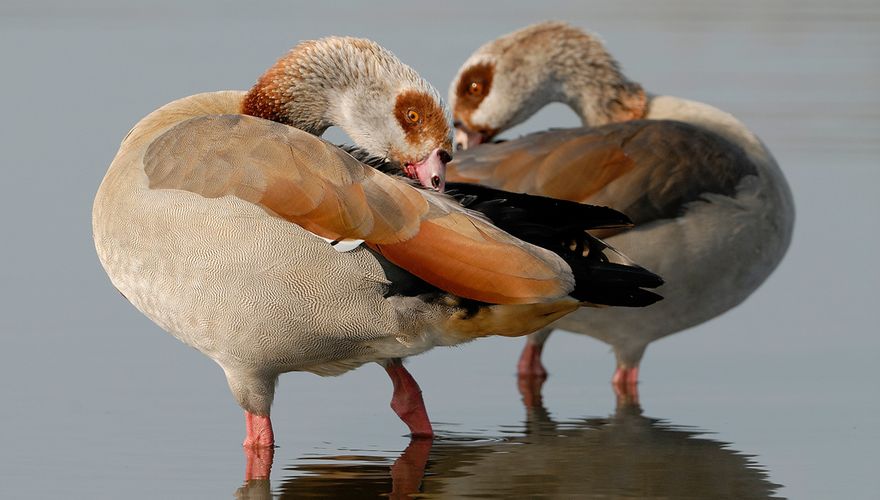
column 342, row 245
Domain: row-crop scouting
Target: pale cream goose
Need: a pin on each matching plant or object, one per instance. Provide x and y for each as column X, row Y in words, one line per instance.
column 713, row 212
column 223, row 218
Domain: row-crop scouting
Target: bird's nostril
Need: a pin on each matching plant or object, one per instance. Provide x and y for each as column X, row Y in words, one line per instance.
column 459, row 146
column 445, row 157
column 435, row 181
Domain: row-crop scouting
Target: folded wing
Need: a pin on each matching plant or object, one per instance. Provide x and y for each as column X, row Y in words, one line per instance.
column 647, row 169
column 317, row 186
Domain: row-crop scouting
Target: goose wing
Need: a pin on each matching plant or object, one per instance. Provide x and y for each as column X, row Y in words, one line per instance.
column 317, row 186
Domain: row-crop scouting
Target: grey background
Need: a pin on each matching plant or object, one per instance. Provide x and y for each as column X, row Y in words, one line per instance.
column 96, row 402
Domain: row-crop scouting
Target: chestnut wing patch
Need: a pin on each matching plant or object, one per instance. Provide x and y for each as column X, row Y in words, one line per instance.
column 566, row 164
column 471, row 258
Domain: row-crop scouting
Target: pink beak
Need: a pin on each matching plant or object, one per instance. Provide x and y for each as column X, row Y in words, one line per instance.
column 430, row 172
column 464, row 138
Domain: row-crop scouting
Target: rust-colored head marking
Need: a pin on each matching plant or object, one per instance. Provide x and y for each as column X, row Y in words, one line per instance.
column 473, row 86
column 265, row 98
column 422, row 119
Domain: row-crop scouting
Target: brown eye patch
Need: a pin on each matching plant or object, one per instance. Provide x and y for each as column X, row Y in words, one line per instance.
column 473, row 86
column 422, row 119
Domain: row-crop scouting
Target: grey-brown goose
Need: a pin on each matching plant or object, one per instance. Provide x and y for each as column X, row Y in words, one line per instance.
column 713, row 212
column 230, row 224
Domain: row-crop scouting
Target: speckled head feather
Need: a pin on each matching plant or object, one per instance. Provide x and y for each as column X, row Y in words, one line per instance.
column 509, row 79
column 357, row 85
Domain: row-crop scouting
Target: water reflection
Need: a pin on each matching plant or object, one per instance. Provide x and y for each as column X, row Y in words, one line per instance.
column 626, row 455
column 349, row 476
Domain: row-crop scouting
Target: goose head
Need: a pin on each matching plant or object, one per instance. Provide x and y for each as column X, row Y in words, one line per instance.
column 386, row 108
column 510, row 78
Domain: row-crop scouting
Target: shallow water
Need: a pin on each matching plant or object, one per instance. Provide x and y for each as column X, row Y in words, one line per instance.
column 774, row 399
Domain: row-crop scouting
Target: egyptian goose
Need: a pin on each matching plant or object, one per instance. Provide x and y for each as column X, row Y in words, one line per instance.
column 713, row 212
column 227, row 221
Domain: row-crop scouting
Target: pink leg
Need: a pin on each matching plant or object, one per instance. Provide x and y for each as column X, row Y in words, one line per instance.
column 259, row 447
column 259, row 431
column 259, row 462
column 628, row 402
column 530, row 390
column 626, row 382
column 407, row 400
column 530, row 361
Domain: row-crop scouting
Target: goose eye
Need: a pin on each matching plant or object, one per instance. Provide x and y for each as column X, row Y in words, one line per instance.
column 475, row 88
column 412, row 115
